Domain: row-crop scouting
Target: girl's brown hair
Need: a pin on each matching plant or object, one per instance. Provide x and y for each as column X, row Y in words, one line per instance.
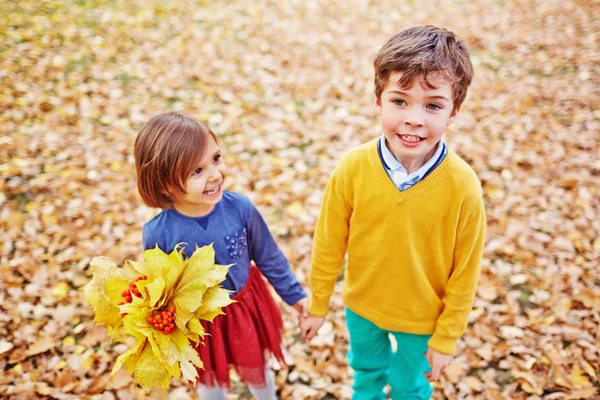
column 167, row 150
column 421, row 51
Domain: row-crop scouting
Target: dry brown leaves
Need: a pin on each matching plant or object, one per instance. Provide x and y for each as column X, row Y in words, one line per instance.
column 288, row 86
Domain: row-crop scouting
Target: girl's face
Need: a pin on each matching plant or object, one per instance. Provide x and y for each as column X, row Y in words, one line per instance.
column 204, row 187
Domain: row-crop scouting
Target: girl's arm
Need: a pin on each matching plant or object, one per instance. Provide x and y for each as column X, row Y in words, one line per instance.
column 271, row 261
column 147, row 239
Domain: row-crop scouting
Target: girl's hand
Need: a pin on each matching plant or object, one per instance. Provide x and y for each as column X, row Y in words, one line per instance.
column 437, row 361
column 309, row 326
column 301, row 306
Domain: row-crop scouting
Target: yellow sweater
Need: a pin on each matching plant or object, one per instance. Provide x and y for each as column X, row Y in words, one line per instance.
column 413, row 256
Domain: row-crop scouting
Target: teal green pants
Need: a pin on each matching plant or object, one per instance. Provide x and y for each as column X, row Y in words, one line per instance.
column 375, row 365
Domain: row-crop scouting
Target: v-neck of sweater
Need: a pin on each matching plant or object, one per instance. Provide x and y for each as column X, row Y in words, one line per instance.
column 422, row 186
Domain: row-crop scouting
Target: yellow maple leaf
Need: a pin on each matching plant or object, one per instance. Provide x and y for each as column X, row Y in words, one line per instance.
column 214, row 300
column 200, row 274
column 103, row 293
column 165, row 284
column 149, row 370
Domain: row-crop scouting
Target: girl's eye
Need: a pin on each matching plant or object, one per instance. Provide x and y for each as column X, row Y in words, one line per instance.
column 217, row 158
column 434, row 107
column 197, row 171
column 399, row 102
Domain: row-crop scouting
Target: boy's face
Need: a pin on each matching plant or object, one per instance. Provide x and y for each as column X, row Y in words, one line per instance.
column 205, row 186
column 414, row 120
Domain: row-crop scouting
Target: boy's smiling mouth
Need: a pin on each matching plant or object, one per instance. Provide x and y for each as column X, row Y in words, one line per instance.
column 411, row 138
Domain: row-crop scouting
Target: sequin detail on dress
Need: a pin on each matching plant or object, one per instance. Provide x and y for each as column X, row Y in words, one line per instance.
column 236, row 244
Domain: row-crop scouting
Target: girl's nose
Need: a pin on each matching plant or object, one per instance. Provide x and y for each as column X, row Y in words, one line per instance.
column 214, row 174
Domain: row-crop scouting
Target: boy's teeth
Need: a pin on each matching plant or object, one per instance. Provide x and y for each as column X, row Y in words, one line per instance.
column 410, row 138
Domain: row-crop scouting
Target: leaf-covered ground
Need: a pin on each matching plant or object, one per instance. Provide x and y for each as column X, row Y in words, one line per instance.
column 288, row 87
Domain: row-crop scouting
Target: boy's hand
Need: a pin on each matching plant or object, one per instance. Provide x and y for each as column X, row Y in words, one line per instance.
column 437, row 361
column 309, row 326
column 301, row 306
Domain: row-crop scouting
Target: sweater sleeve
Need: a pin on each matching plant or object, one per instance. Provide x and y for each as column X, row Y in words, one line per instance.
column 271, row 261
column 329, row 244
column 462, row 285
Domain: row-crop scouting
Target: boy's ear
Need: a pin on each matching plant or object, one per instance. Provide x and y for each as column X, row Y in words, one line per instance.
column 378, row 105
column 453, row 115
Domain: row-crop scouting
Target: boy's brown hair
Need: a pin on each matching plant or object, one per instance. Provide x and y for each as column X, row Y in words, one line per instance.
column 421, row 51
column 167, row 150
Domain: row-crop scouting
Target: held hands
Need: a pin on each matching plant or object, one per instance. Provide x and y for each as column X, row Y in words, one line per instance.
column 437, row 361
column 309, row 324
column 301, row 306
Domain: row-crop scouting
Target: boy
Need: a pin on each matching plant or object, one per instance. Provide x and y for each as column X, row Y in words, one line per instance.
column 409, row 214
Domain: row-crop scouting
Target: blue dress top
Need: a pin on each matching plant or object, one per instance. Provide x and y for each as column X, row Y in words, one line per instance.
column 239, row 235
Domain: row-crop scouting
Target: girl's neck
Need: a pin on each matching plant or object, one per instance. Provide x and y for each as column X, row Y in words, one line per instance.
column 195, row 211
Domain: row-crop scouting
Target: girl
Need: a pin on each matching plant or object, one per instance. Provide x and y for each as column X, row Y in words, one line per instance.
column 180, row 169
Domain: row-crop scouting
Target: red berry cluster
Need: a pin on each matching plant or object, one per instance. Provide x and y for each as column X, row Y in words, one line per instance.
column 164, row 320
column 132, row 289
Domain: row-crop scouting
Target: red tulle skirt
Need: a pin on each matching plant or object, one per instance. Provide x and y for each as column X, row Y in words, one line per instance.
column 244, row 338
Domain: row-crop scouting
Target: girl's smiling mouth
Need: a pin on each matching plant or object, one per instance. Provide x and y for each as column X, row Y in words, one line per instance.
column 213, row 191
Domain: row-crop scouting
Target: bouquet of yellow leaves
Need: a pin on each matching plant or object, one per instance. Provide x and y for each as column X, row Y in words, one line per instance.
column 158, row 301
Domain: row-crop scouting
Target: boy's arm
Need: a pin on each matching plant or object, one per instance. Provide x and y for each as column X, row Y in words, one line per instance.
column 462, row 285
column 329, row 245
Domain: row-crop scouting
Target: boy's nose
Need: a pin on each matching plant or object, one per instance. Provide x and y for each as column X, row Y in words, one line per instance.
column 414, row 118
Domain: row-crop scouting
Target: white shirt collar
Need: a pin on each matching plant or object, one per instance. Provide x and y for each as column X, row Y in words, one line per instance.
column 395, row 165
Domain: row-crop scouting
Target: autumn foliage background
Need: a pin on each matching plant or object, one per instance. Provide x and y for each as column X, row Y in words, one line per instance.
column 288, row 88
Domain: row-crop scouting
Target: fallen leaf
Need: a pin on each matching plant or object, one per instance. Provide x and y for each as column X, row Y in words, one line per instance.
column 5, row 346
column 40, row 346
column 578, row 378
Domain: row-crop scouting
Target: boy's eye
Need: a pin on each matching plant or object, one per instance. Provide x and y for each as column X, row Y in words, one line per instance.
column 399, row 102
column 434, row 107
column 197, row 171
